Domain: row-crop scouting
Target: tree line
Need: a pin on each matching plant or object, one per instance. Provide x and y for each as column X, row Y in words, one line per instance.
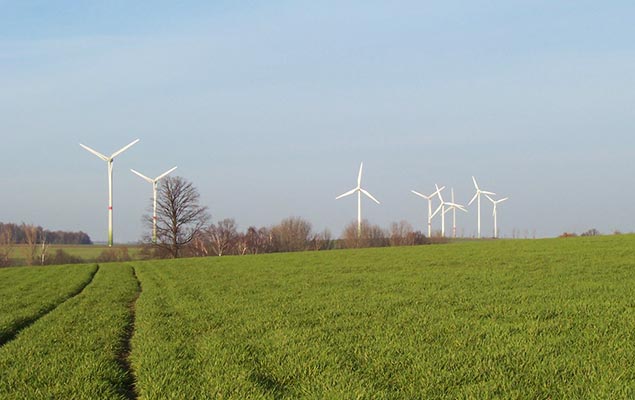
column 184, row 229
column 36, row 241
column 22, row 233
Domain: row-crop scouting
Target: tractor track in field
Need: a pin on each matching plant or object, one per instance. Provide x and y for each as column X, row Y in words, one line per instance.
column 129, row 388
column 22, row 325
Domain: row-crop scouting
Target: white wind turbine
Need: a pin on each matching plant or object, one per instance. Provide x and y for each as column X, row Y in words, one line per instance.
column 495, row 202
column 154, row 183
column 109, row 160
column 358, row 189
column 451, row 206
column 477, row 195
column 454, row 206
column 429, row 198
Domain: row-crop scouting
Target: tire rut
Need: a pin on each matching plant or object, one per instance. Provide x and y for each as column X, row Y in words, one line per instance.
column 129, row 389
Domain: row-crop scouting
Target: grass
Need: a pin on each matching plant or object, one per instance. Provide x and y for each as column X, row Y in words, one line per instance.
column 27, row 294
column 511, row 319
column 492, row 319
column 74, row 352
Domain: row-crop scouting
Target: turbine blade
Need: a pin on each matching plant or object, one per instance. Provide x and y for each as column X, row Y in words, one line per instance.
column 490, row 199
column 95, row 152
column 164, row 174
column 359, row 176
column 370, row 195
column 346, row 194
column 486, row 193
column 142, row 176
column 473, row 198
column 126, row 147
column 436, row 211
column 420, row 195
column 438, row 192
column 502, row 200
column 475, row 184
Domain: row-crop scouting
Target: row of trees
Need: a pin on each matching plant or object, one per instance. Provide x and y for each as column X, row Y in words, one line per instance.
column 22, row 233
column 184, row 229
column 35, row 242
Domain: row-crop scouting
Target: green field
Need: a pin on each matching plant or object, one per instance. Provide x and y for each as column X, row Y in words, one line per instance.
column 493, row 319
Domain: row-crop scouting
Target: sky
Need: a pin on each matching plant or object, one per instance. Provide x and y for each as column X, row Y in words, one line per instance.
column 268, row 108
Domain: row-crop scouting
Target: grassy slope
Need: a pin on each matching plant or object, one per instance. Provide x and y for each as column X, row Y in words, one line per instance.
column 533, row 319
column 27, row 294
column 72, row 352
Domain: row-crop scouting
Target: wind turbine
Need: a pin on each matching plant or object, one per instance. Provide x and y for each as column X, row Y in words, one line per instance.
column 429, row 198
column 495, row 202
column 154, row 183
column 477, row 195
column 109, row 160
column 454, row 206
column 451, row 206
column 358, row 189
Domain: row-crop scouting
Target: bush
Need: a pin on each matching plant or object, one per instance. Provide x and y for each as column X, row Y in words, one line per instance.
column 112, row 255
column 62, row 257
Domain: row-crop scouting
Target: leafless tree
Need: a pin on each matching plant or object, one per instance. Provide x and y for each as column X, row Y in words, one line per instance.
column 223, row 236
column 322, row 241
column 291, row 234
column 401, row 234
column 371, row 236
column 31, row 242
column 180, row 218
column 36, row 244
column 7, row 244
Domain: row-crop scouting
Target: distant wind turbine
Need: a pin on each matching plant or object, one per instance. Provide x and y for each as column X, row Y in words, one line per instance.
column 154, row 183
column 429, row 198
column 495, row 202
column 477, row 195
column 109, row 160
column 454, row 206
column 442, row 207
column 358, row 189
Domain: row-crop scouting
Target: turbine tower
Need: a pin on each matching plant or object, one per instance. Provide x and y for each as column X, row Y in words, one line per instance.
column 495, row 202
column 477, row 195
column 440, row 208
column 358, row 189
column 154, row 183
column 429, row 198
column 109, row 160
column 454, row 206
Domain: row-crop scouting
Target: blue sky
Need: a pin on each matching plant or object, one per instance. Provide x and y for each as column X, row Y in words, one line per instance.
column 268, row 108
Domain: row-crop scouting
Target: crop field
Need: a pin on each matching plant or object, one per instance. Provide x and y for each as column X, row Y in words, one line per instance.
column 485, row 319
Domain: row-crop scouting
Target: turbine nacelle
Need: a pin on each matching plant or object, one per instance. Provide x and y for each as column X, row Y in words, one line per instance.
column 158, row 178
column 358, row 188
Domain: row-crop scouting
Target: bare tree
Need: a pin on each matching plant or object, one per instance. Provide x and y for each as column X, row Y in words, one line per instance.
column 7, row 242
column 371, row 235
column 30, row 240
column 401, row 234
column 180, row 218
column 36, row 244
column 291, row 234
column 322, row 241
column 223, row 236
